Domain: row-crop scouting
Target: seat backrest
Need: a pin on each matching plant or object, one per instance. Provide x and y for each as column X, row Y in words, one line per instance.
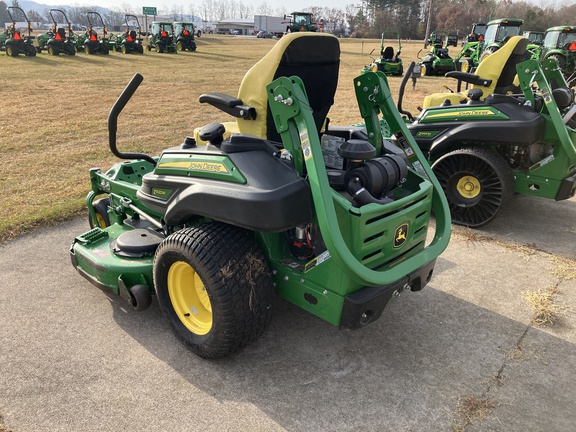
column 388, row 53
column 313, row 57
column 500, row 67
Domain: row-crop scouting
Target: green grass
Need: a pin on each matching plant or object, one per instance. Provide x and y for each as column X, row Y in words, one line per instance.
column 55, row 112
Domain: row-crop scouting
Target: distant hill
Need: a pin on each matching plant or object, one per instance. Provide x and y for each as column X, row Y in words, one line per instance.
column 41, row 7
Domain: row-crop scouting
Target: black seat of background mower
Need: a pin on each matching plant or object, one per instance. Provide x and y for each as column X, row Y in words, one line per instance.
column 388, row 54
column 62, row 33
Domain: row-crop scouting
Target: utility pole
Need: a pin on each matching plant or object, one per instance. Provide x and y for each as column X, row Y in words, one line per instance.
column 428, row 23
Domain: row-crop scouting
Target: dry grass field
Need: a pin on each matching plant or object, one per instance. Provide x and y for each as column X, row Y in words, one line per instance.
column 55, row 109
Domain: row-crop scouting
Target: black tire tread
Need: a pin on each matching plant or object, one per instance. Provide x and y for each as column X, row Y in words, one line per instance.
column 236, row 277
column 497, row 183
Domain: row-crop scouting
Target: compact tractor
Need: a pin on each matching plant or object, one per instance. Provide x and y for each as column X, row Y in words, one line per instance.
column 536, row 38
column 498, row 32
column 389, row 62
column 162, row 38
column 57, row 41
column 14, row 43
column 300, row 21
column 184, row 36
column 131, row 40
column 94, row 43
column 560, row 44
column 501, row 139
column 334, row 220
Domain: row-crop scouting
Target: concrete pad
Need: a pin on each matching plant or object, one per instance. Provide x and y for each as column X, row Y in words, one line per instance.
column 73, row 358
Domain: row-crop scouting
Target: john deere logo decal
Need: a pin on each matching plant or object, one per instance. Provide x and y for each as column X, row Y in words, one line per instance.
column 400, row 235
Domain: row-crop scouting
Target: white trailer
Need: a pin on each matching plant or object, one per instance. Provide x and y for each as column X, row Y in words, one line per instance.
column 276, row 25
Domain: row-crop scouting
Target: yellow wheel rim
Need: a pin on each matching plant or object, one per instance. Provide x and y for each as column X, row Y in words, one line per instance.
column 464, row 67
column 422, row 70
column 469, row 187
column 189, row 298
column 101, row 221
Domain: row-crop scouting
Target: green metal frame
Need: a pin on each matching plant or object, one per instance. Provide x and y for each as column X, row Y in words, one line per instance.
column 548, row 176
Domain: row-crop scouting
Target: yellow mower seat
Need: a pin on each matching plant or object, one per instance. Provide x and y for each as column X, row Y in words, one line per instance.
column 313, row 57
column 498, row 71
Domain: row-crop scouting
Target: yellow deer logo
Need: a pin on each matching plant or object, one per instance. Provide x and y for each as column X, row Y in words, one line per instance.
column 400, row 235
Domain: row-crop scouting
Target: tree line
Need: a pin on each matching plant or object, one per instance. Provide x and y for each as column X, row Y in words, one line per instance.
column 366, row 19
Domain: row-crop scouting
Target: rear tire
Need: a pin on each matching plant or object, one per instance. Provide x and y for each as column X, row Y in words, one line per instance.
column 53, row 50
column 477, row 182
column 560, row 60
column 214, row 288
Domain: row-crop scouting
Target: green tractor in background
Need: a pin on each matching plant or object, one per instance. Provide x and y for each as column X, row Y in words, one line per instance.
column 184, row 36
column 498, row 32
column 13, row 42
column 336, row 225
column 300, row 21
column 437, row 61
column 476, row 33
column 536, row 38
column 57, row 41
column 94, row 43
column 560, row 44
column 161, row 38
column 469, row 56
column 389, row 61
column 488, row 145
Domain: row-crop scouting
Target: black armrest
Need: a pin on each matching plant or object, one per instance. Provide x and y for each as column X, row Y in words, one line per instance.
column 469, row 78
column 229, row 104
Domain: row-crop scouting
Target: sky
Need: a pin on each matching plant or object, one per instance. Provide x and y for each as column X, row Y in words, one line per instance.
column 136, row 5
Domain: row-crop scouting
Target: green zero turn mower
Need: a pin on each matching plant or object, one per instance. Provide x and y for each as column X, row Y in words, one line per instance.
column 336, row 224
column 57, row 41
column 389, row 61
column 15, row 43
column 488, row 146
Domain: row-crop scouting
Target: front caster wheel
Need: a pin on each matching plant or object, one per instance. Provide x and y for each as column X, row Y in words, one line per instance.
column 477, row 182
column 101, row 210
column 214, row 288
column 140, row 297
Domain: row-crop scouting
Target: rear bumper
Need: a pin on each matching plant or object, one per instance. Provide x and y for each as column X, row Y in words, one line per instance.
column 367, row 304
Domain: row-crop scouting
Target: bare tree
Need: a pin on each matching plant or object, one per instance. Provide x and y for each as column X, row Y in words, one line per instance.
column 264, row 9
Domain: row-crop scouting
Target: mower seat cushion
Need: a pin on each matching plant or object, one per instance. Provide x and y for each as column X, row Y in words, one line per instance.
column 500, row 67
column 313, row 57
